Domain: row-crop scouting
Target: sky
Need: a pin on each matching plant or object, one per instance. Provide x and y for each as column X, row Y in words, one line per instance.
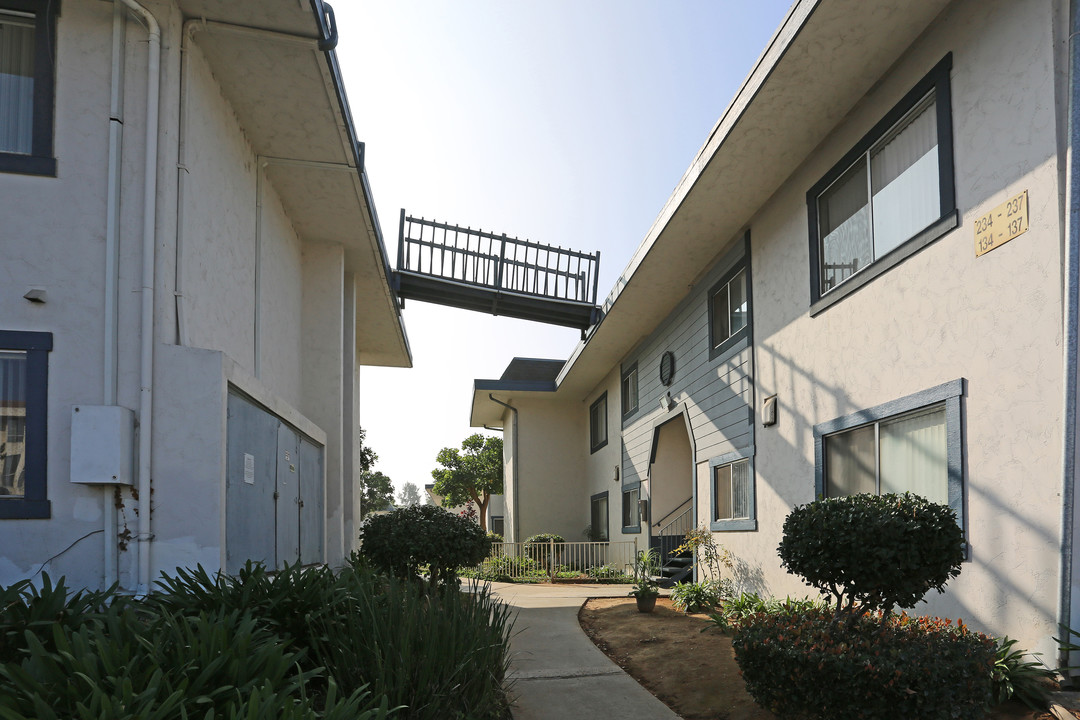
column 567, row 122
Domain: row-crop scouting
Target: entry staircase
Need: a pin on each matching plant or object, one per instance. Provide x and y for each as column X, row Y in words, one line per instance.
column 674, row 567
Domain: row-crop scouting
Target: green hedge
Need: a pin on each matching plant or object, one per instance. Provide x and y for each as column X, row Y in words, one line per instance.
column 803, row 664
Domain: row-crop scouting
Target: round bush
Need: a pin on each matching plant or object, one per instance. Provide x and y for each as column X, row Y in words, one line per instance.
column 873, row 552
column 399, row 542
column 543, row 539
column 802, row 664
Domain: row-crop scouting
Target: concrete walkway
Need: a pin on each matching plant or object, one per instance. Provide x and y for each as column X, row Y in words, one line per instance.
column 556, row 672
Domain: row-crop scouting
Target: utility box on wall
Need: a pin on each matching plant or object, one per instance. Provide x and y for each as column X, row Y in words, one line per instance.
column 102, row 445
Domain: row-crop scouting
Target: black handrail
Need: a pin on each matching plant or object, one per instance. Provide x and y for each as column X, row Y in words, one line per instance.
column 677, row 509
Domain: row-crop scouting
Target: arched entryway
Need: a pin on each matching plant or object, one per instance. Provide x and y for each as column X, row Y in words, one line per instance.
column 671, row 483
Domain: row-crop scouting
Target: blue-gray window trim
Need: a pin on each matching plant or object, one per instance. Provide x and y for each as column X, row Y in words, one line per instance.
column 938, row 80
column 745, row 336
column 949, row 393
column 595, row 443
column 35, row 503
column 40, row 161
column 626, row 489
column 625, row 373
column 742, row 524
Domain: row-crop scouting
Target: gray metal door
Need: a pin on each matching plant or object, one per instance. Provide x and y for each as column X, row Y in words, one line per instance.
column 312, row 489
column 251, row 473
column 288, row 495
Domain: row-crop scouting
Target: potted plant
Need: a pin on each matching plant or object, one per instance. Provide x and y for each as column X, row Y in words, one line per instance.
column 645, row 589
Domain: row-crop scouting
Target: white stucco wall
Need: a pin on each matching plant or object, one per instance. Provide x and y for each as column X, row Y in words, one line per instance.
column 552, row 445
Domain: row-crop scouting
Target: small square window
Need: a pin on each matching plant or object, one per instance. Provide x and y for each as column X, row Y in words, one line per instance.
column 891, row 195
column 631, row 509
column 24, row 380
column 598, row 434
column 27, row 58
column 629, row 391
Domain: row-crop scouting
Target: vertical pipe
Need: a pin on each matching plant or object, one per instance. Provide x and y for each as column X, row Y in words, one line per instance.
column 112, row 273
column 146, row 365
column 260, row 168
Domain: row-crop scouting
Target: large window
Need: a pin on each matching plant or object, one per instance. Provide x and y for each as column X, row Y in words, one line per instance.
column 629, row 391
column 631, row 509
column 27, row 53
column 598, row 424
column 732, row 491
column 24, row 380
column 910, row 445
column 598, row 517
column 893, row 190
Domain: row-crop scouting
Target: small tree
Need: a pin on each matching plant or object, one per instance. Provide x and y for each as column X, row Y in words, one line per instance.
column 409, row 495
column 474, row 474
column 376, row 492
column 869, row 552
column 401, row 541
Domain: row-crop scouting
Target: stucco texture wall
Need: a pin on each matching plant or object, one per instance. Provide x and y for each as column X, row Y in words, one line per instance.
column 940, row 315
column 552, row 443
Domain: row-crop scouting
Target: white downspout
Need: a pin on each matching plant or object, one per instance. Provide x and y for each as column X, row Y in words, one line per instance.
column 146, row 367
column 112, row 271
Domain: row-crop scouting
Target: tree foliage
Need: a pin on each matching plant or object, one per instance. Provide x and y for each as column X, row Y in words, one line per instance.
column 376, row 492
column 409, row 495
column 473, row 474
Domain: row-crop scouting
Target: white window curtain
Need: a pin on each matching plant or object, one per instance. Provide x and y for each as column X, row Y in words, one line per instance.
column 16, row 83
column 914, row 456
column 740, row 490
column 904, row 180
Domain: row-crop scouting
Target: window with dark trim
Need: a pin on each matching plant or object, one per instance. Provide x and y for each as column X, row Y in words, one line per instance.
column 598, row 517
column 731, row 491
column 889, row 197
column 598, row 424
column 27, row 75
column 909, row 445
column 631, row 509
column 498, row 525
column 24, row 391
column 629, row 386
column 730, row 306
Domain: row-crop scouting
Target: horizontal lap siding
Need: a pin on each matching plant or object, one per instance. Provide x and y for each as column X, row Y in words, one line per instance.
column 718, row 393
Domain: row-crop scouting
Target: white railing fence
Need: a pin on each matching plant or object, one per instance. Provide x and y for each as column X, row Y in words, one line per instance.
column 549, row 560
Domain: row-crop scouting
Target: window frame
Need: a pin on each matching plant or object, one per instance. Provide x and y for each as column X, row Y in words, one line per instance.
column 37, row 346
column 501, row 519
column 938, row 81
column 627, row 489
column 734, row 524
column 724, row 348
column 629, row 411
column 606, row 537
column 949, row 394
column 41, row 160
column 595, row 443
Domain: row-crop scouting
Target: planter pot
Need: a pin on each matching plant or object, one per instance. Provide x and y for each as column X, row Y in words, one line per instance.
column 646, row 604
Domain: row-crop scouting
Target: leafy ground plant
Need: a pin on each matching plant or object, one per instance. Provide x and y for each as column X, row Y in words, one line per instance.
column 1016, row 677
column 698, row 597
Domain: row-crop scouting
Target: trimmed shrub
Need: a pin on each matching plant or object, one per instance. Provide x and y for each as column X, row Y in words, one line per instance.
column 402, row 541
column 802, row 664
column 871, row 552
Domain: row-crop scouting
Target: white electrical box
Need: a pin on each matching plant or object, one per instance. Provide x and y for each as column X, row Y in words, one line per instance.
column 102, row 445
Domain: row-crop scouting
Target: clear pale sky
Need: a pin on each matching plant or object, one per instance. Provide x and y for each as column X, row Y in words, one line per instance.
column 565, row 122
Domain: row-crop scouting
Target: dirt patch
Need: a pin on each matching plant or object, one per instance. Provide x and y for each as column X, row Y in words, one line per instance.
column 692, row 672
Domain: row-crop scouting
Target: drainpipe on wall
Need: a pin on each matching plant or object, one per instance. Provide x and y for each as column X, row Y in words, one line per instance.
column 1071, row 320
column 146, row 365
column 112, row 273
column 514, row 467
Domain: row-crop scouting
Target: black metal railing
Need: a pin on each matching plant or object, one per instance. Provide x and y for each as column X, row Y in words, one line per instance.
column 497, row 262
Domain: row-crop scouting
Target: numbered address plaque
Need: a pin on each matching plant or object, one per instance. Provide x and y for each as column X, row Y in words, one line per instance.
column 1005, row 222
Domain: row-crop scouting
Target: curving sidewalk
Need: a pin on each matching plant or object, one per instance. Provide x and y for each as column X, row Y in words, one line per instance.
column 556, row 672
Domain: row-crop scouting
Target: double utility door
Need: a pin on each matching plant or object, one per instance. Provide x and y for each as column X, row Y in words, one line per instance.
column 274, row 490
